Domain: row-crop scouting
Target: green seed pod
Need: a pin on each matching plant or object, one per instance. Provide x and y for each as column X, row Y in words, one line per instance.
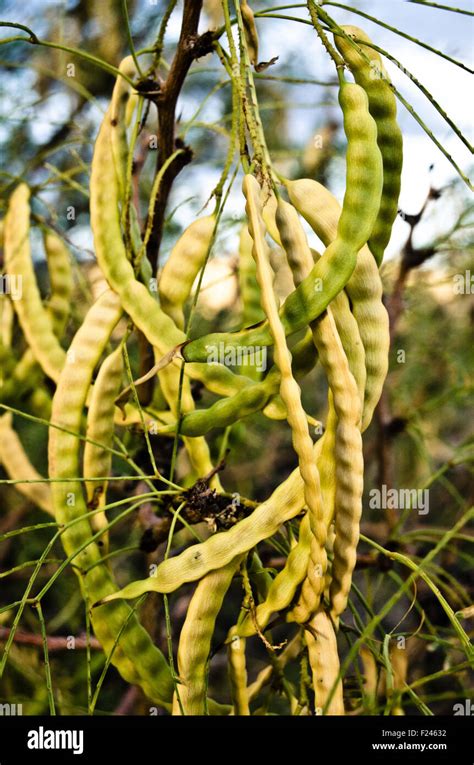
column 100, row 428
column 249, row 292
column 246, row 401
column 18, row 466
column 383, row 108
column 60, row 279
column 120, row 116
column 331, row 273
column 136, row 657
column 250, row 30
column 34, row 319
column 347, row 405
column 186, row 260
column 319, row 207
column 289, row 391
column 238, row 673
column 158, row 328
column 196, row 636
column 283, row 588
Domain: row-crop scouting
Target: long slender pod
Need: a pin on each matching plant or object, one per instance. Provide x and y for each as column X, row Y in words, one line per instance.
column 238, row 673
column 291, row 395
column 196, row 635
column 60, row 280
column 186, row 260
column 284, row 586
column 371, row 75
column 364, row 178
column 361, row 203
column 249, row 292
column 19, row 468
column 34, row 319
column 348, row 458
column 324, row 661
column 251, row 398
column 346, row 323
column 323, row 213
column 135, row 656
column 156, row 325
column 97, row 459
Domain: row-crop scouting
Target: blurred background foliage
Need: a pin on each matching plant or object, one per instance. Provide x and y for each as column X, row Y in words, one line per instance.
column 421, row 436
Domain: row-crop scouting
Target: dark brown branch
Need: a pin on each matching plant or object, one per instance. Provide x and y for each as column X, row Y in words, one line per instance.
column 190, row 47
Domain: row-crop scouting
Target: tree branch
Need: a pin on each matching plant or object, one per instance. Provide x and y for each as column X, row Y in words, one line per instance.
column 190, row 47
column 55, row 642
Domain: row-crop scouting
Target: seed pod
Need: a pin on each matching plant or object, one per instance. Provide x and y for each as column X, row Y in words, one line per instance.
column 7, row 315
column 120, row 116
column 347, row 405
column 60, row 279
column 332, row 272
column 383, row 108
column 35, row 321
column 324, row 662
column 283, row 588
column 289, row 392
column 196, row 636
column 158, row 328
column 100, row 428
column 399, row 667
column 252, row 398
column 370, row 671
column 18, row 466
column 186, row 260
column 345, row 322
column 249, row 292
column 136, row 657
column 238, row 673
column 250, row 29
column 193, row 563
column 318, row 206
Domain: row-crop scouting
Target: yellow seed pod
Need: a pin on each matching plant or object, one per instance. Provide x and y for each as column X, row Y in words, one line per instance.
column 269, row 209
column 250, row 29
column 121, row 111
column 283, row 587
column 60, row 279
column 291, row 395
column 238, row 673
column 196, row 636
column 7, row 316
column 324, row 662
column 399, row 663
column 345, row 396
column 249, row 291
column 97, row 460
column 34, row 319
column 18, row 466
column 322, row 211
column 370, row 673
column 186, row 260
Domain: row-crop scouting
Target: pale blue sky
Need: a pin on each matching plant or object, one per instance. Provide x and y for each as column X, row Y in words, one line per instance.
column 294, row 42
